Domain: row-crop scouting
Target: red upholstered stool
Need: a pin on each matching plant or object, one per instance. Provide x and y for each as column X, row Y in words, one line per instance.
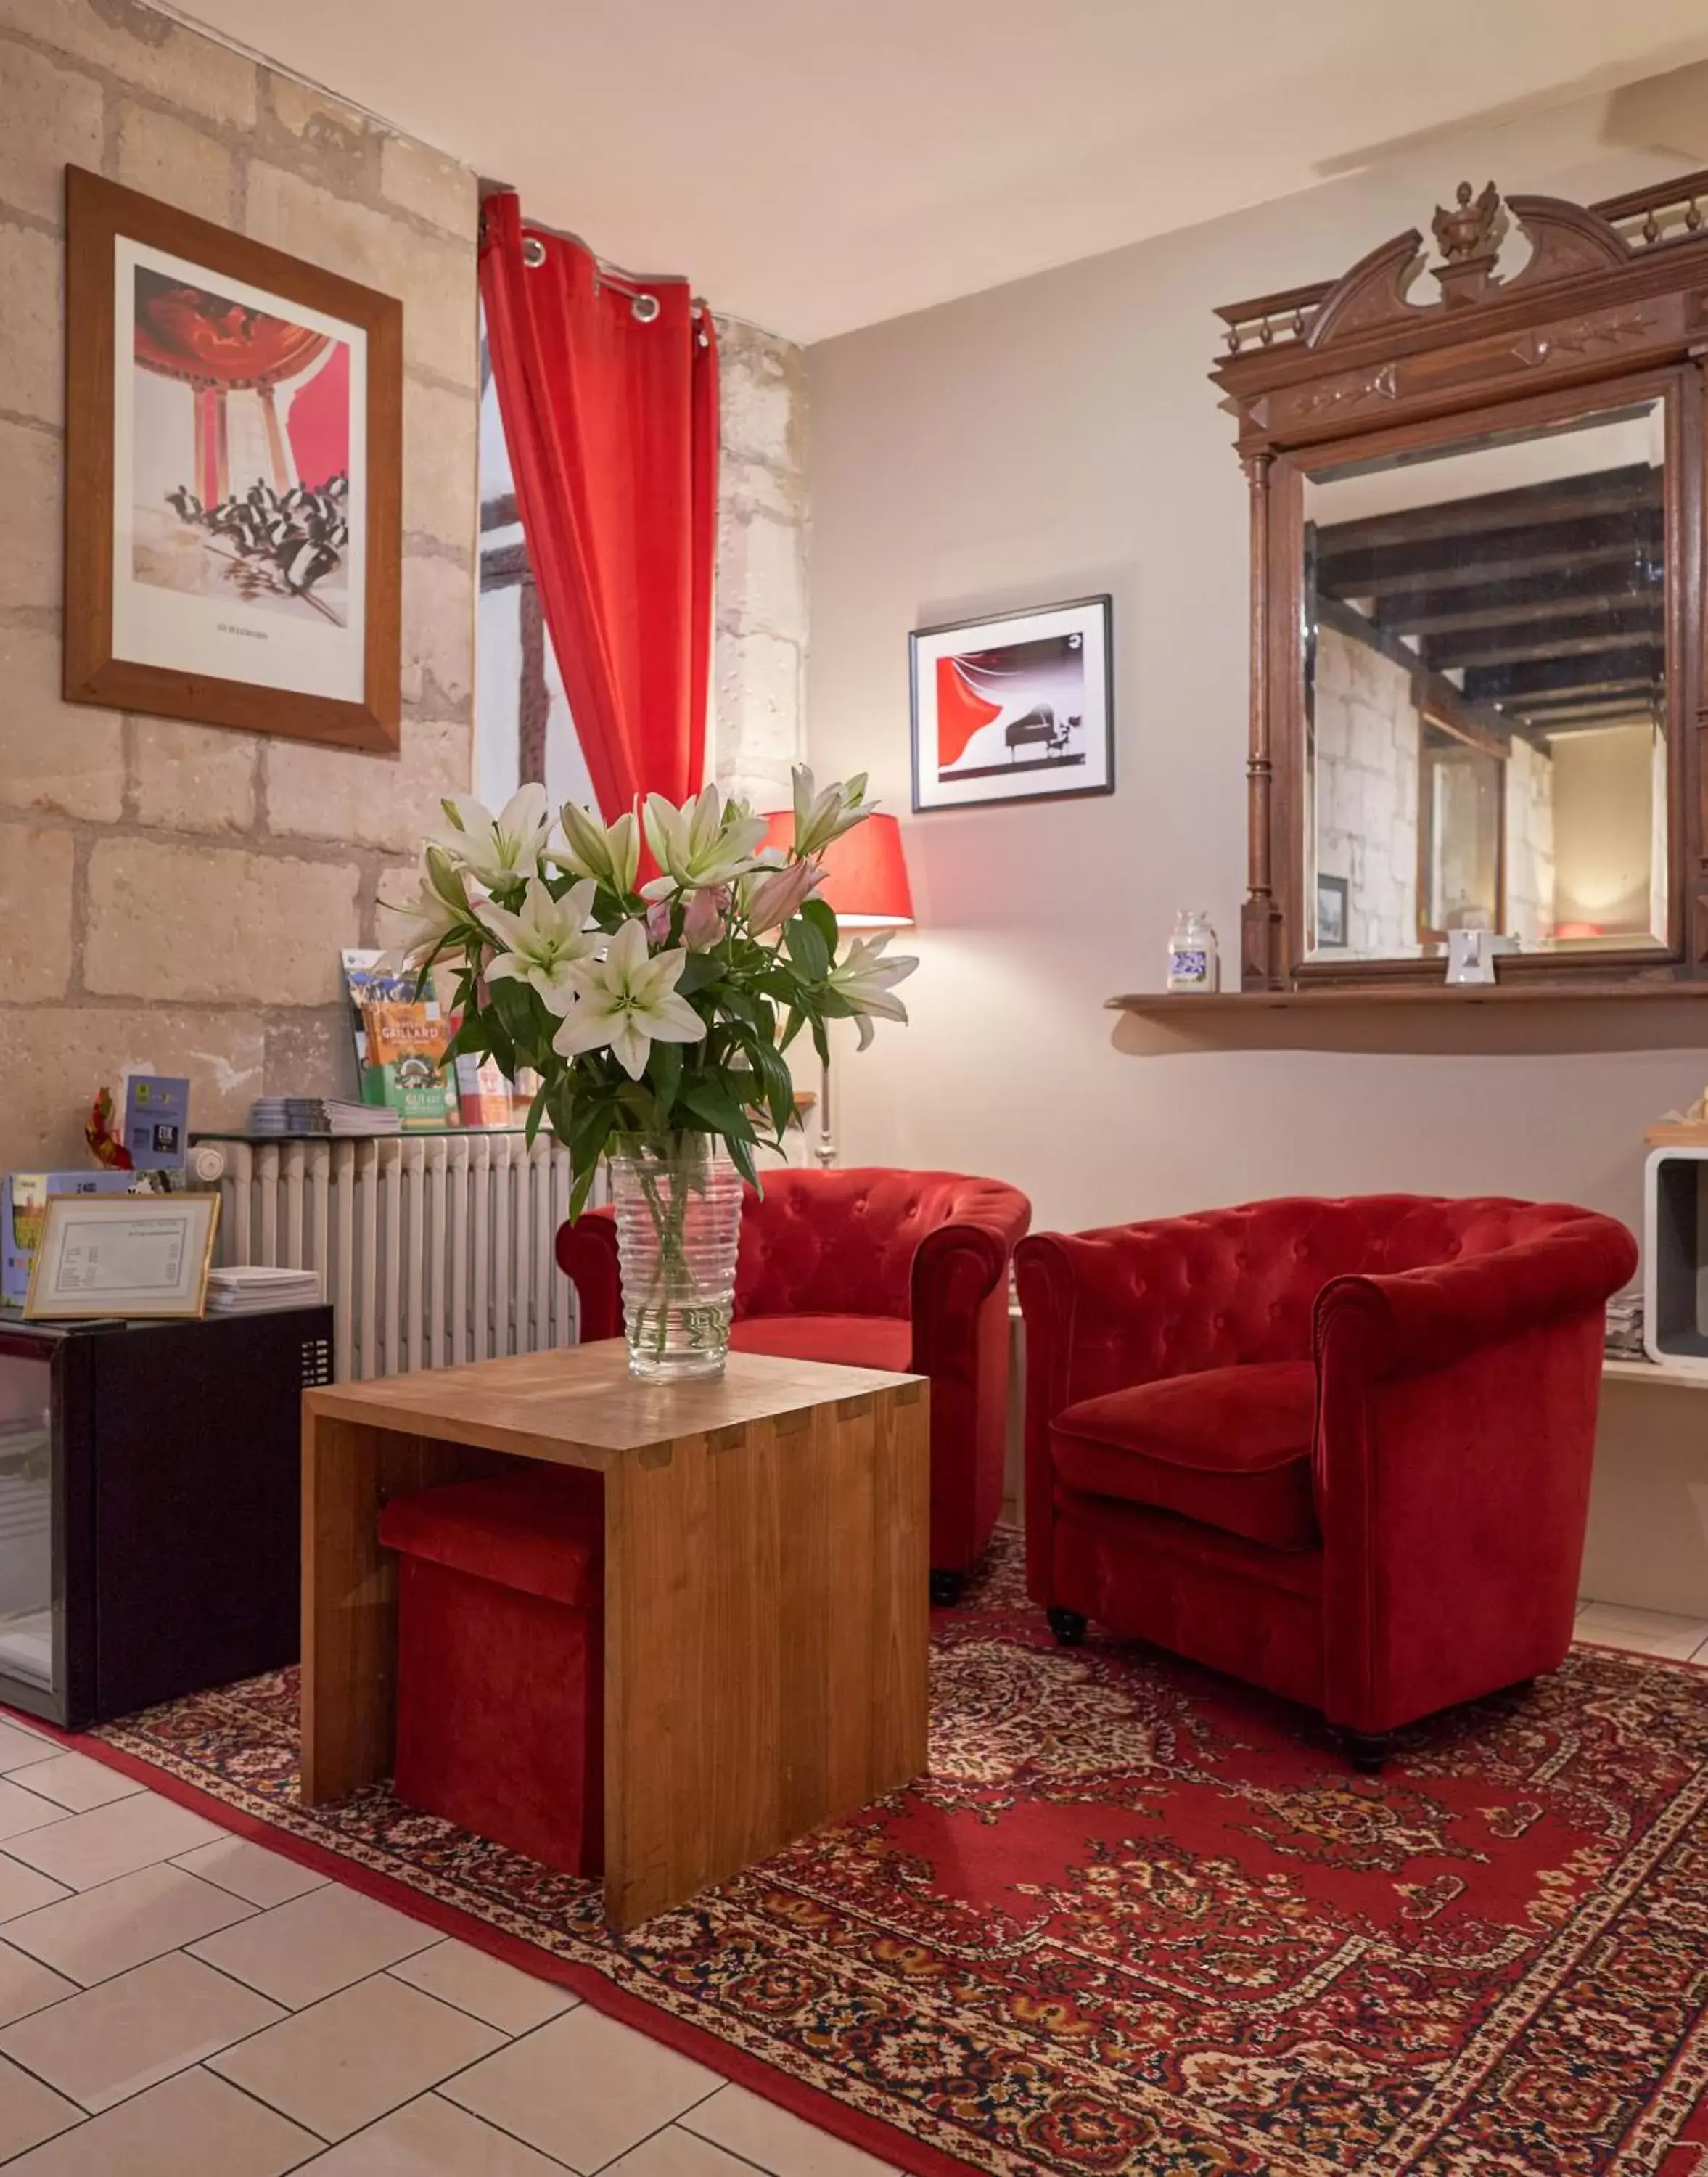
column 500, row 1660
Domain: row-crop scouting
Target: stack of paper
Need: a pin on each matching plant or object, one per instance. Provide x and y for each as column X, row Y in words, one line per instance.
column 252, row 1288
column 289, row 1116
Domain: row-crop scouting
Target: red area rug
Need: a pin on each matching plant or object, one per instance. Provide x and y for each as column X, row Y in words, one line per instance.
column 1141, row 1923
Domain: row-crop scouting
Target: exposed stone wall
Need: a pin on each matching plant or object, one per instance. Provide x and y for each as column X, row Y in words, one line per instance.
column 1367, row 748
column 173, row 893
column 1530, row 843
column 759, row 722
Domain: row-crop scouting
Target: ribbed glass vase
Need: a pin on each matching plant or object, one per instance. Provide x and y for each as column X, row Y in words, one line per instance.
column 678, row 1204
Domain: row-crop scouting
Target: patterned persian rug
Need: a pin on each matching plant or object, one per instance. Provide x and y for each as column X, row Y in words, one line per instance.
column 1138, row 1922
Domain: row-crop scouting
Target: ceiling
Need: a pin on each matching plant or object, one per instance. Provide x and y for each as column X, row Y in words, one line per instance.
column 814, row 167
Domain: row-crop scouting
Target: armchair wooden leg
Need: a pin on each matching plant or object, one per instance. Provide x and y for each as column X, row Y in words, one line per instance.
column 1068, row 1627
column 946, row 1588
column 1367, row 1750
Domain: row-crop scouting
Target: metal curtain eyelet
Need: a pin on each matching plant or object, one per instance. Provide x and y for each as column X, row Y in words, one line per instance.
column 533, row 250
column 646, row 308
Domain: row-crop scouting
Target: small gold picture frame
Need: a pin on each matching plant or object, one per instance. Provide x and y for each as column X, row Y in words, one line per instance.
column 111, row 1257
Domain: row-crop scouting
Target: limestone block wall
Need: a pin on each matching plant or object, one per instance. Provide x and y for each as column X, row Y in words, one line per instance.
column 1530, row 843
column 1366, row 750
column 171, row 894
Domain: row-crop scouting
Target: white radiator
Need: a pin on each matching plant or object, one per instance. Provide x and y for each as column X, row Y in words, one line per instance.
column 432, row 1252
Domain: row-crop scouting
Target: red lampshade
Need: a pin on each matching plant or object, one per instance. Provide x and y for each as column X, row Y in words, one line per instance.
column 866, row 883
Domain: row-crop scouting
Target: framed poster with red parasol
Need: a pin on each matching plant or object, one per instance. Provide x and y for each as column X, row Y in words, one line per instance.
column 233, row 526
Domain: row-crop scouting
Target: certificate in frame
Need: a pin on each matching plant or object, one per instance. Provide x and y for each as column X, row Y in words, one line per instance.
column 134, row 1255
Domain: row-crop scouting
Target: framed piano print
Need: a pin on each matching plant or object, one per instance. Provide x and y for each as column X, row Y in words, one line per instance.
column 1015, row 708
column 233, row 531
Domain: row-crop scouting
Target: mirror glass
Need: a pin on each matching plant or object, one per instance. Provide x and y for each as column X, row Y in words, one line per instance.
column 1485, row 693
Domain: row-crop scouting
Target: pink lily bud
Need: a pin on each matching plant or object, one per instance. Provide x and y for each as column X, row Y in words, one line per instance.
column 781, row 893
column 659, row 922
column 703, row 924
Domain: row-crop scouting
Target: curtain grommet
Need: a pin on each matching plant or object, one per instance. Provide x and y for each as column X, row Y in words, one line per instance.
column 645, row 308
column 533, row 250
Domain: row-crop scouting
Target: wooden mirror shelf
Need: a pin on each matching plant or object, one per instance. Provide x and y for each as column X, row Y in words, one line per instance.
column 1602, row 329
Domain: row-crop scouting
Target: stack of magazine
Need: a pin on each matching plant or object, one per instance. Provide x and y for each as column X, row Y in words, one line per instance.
column 254, row 1288
column 289, row 1116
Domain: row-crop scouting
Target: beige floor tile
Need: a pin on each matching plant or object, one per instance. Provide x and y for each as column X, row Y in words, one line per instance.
column 29, row 2111
column 26, row 1986
column 760, row 2132
column 21, row 1811
column 311, row 1947
column 248, row 1870
column 1648, row 1632
column 81, row 1850
column 484, row 1987
column 22, row 1889
column 191, row 2125
column 73, row 1780
column 674, row 2152
column 94, row 1933
column 430, row 2138
column 130, row 2033
column 341, row 2064
column 583, row 2088
column 19, row 1746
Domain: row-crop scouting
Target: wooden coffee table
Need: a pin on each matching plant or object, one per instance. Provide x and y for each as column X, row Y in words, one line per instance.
column 766, row 1587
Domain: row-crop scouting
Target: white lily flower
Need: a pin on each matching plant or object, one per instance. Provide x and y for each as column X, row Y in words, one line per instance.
column 819, row 818
column 500, row 849
column 704, row 843
column 544, row 941
column 865, row 978
column 629, row 999
column 609, row 854
column 441, row 909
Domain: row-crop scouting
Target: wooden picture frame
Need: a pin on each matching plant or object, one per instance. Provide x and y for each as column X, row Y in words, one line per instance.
column 137, row 1273
column 1034, row 707
column 274, row 608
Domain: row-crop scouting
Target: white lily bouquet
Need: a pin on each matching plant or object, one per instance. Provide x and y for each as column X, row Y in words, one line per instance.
column 655, row 1014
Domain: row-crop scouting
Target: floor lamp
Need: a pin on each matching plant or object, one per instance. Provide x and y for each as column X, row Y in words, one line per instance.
column 865, row 885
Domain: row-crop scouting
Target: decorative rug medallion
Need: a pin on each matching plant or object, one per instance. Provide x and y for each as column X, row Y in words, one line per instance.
column 1141, row 1921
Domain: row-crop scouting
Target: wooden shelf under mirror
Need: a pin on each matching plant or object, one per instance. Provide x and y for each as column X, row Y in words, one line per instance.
column 1180, row 1005
column 1477, row 555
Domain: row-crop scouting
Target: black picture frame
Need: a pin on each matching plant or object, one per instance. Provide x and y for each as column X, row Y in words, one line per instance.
column 1085, row 622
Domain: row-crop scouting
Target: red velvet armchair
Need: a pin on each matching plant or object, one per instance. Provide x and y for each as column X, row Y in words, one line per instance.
column 877, row 1270
column 1338, row 1449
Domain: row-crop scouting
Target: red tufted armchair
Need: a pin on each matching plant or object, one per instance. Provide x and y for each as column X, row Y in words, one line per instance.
column 1340, row 1450
column 877, row 1270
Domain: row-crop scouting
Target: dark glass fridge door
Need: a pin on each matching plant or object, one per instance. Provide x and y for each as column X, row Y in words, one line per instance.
column 27, row 1645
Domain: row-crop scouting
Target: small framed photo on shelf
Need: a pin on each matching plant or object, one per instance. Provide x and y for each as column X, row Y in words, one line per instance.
column 1015, row 708
column 1331, row 914
column 117, row 1256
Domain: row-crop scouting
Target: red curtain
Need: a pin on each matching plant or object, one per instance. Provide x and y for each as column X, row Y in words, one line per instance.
column 608, row 387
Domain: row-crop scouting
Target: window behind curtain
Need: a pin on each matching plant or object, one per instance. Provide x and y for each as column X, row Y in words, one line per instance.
column 522, row 727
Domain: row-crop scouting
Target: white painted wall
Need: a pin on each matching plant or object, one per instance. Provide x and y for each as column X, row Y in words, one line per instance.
column 1055, row 438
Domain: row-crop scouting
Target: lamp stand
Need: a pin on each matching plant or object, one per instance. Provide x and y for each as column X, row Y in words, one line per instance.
column 826, row 1151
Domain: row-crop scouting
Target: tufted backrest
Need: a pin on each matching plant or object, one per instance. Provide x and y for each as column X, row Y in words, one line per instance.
column 1231, row 1286
column 843, row 1242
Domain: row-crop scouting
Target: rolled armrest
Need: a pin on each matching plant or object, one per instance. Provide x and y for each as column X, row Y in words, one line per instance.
column 955, row 1269
column 587, row 1257
column 1402, row 1321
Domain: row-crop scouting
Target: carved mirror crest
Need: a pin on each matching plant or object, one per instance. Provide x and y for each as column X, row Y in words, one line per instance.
column 1477, row 565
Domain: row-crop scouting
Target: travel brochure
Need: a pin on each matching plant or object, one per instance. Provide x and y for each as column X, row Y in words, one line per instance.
column 402, row 1040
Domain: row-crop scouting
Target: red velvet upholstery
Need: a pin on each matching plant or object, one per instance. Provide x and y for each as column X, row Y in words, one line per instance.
column 878, row 1269
column 1456, row 1353
column 501, row 1687
column 1231, row 1447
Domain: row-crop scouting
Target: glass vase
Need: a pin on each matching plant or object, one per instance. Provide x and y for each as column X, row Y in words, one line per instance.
column 678, row 1204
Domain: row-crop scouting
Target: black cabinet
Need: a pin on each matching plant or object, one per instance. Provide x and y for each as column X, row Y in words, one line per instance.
column 149, row 1506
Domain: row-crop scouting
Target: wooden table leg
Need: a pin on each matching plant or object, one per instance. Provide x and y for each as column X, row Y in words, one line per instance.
column 350, row 1591
column 766, row 1629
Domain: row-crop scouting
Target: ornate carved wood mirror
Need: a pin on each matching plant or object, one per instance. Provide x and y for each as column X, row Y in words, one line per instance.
column 1477, row 562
